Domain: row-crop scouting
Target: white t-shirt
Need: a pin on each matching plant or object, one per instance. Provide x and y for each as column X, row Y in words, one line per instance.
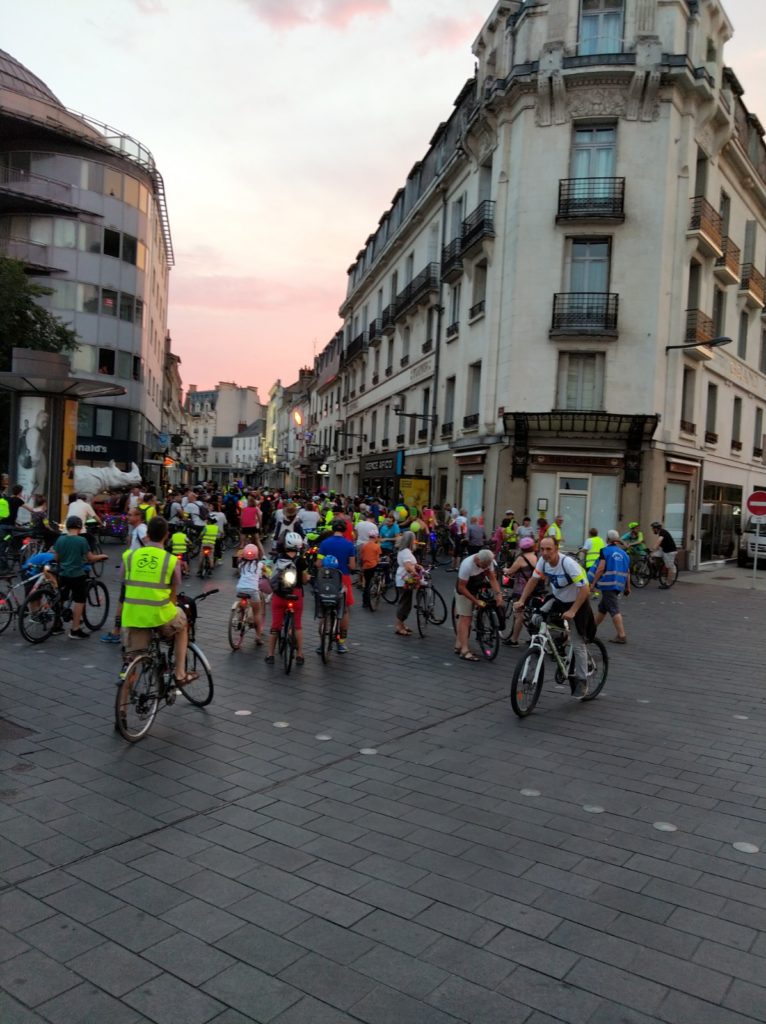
column 525, row 531
column 468, row 569
column 556, row 577
column 249, row 577
column 308, row 520
column 220, row 520
column 406, row 563
column 192, row 509
column 82, row 509
column 138, row 537
column 461, row 522
column 364, row 530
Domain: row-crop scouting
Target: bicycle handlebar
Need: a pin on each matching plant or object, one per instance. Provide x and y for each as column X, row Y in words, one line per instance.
column 202, row 596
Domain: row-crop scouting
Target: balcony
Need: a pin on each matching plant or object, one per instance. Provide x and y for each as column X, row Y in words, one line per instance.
column 34, row 255
column 423, row 434
column 699, row 327
column 400, row 438
column 404, row 361
column 711, row 437
column 375, row 378
column 387, row 324
column 418, row 291
column 751, row 287
column 27, row 192
column 687, row 427
column 736, row 446
column 384, row 443
column 585, row 313
column 477, row 310
column 448, row 429
column 375, row 330
column 359, row 448
column 357, row 347
column 428, row 344
column 583, row 199
column 453, row 330
column 352, row 394
column 478, row 226
column 452, row 260
column 757, row 453
column 389, row 370
column 471, row 422
column 373, row 445
column 726, row 267
column 362, row 388
column 706, row 227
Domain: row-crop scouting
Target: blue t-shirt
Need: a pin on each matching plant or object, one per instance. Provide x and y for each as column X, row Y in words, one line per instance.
column 342, row 549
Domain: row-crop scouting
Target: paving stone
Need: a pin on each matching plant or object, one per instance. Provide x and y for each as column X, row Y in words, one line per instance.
column 34, row 978
column 133, row 928
column 202, row 919
column 327, row 981
column 166, row 1000
column 618, row 985
column 562, row 1001
column 84, row 902
column 262, row 949
column 329, row 940
column 478, row 965
column 310, row 1011
column 87, row 1004
column 402, row 902
column 151, row 894
column 342, row 910
column 61, row 937
column 269, row 913
column 188, row 958
column 214, row 888
column 472, row 1003
column 19, row 910
column 541, row 956
column 12, row 1012
column 386, row 1006
column 247, row 989
column 277, row 883
column 113, row 968
column 12, row 945
column 400, row 971
column 407, row 936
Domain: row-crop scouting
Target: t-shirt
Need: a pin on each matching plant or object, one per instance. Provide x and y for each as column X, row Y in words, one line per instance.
column 476, row 535
column 71, row 550
column 525, row 531
column 473, row 575
column 370, row 554
column 666, row 541
column 388, row 534
column 220, row 520
column 565, row 578
column 461, row 526
column 308, row 520
column 364, row 530
column 250, row 571
column 250, row 517
column 138, row 538
column 406, row 564
column 342, row 549
column 82, row 509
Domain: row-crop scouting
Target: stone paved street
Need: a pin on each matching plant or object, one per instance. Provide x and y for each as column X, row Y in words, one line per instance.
column 469, row 867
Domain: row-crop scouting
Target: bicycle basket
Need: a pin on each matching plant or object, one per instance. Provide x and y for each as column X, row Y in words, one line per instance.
column 189, row 608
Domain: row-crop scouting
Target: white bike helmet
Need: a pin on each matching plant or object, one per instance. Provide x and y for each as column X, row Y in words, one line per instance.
column 293, row 541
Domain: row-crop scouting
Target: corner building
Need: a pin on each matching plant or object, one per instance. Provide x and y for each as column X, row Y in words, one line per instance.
column 82, row 205
column 538, row 300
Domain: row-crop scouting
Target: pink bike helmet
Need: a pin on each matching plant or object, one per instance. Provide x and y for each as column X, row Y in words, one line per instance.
column 249, row 552
column 526, row 543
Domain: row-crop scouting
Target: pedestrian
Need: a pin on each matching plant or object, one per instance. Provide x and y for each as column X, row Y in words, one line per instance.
column 612, row 576
column 369, row 558
column 475, row 572
column 407, row 576
column 476, row 536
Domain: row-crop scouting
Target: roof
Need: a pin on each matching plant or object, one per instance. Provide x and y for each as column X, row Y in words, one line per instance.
column 255, row 429
column 16, row 78
column 222, row 441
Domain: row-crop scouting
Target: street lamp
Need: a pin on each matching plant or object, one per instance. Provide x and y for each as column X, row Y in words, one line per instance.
column 713, row 343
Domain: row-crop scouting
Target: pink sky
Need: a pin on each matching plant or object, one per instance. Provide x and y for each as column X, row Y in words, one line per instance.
column 282, row 128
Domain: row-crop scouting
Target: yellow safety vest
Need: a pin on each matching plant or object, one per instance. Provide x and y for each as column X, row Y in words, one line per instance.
column 510, row 531
column 210, row 534
column 591, row 555
column 179, row 543
column 5, row 508
column 149, row 512
column 554, row 531
column 148, row 579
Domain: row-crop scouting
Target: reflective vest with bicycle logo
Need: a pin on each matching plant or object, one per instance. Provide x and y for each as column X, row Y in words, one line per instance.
column 148, row 579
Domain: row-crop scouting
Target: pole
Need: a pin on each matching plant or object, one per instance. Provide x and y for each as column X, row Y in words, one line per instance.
column 755, row 556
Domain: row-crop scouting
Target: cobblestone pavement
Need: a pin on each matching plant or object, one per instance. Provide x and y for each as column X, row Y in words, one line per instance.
column 467, row 867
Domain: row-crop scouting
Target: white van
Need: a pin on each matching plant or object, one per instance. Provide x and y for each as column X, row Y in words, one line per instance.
column 746, row 552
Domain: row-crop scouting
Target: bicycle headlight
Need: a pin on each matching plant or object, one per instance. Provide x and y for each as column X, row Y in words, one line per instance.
column 290, row 577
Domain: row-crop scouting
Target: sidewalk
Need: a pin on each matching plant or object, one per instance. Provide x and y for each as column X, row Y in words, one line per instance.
column 467, row 866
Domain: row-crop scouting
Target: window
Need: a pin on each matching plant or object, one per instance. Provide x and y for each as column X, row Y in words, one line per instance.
column 376, row 362
column 65, row 234
column 406, row 335
column 124, row 365
column 409, row 271
column 85, row 415
column 108, row 302
column 712, row 408
column 758, row 429
column 458, row 215
column 106, row 358
column 121, row 430
column 736, row 421
column 90, row 238
column 449, row 400
column 719, row 311
column 601, row 26
column 762, row 359
column 593, row 149
column 479, row 289
column 112, row 183
column 129, row 249
column 581, row 381
column 139, row 311
column 744, row 323
column 87, row 298
column 589, row 265
column 138, row 370
column 126, row 307
column 390, row 357
column 386, row 421
column 111, row 243
column 454, row 304
column 724, row 208
column 104, row 422
column 374, row 426
column 426, row 404
column 130, row 193
column 689, row 388
column 474, row 389
column 141, row 256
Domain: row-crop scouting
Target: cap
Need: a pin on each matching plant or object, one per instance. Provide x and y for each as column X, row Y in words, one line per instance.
column 510, row 512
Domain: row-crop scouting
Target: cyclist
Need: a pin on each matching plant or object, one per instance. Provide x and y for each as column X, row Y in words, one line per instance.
column 369, row 558
column 152, row 584
column 179, row 546
column 665, row 548
column 287, row 581
column 521, row 572
column 208, row 540
column 473, row 575
column 250, row 520
column 590, row 552
column 249, row 586
column 71, row 551
column 554, row 530
column 612, row 576
column 570, row 591
column 633, row 541
column 345, row 552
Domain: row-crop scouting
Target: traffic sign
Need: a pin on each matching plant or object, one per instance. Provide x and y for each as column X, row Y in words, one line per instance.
column 756, row 503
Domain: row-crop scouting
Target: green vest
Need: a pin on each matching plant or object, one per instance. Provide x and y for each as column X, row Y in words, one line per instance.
column 510, row 531
column 554, row 531
column 5, row 508
column 148, row 578
column 210, row 534
column 591, row 555
column 149, row 512
column 179, row 543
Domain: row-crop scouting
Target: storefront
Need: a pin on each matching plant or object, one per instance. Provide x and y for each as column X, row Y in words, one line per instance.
column 720, row 521
column 379, row 476
column 586, row 495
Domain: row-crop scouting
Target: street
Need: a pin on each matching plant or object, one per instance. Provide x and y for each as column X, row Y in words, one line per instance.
column 382, row 840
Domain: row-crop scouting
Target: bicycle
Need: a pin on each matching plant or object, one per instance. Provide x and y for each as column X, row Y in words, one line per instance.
column 42, row 610
column 287, row 641
column 429, row 604
column 486, row 624
column 93, row 537
column 207, row 562
column 647, row 568
column 382, row 586
column 149, row 679
column 329, row 628
column 231, row 537
column 9, row 602
column 529, row 674
column 241, row 619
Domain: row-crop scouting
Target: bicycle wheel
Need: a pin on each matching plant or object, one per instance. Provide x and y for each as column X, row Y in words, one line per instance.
column 376, row 590
column 37, row 615
column 97, row 568
column 598, row 669
column 96, row 608
column 237, row 626
column 453, row 616
column 438, row 611
column 488, row 633
column 421, row 610
column 667, row 576
column 6, row 611
column 507, row 630
column 287, row 643
column 200, row 692
column 527, row 682
column 195, row 543
column 640, row 573
column 138, row 698
column 326, row 634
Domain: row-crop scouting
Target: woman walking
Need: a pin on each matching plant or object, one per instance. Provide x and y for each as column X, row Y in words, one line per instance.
column 407, row 574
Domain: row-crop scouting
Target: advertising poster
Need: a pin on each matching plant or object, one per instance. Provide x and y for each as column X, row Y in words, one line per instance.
column 415, row 490
column 68, row 453
column 33, row 447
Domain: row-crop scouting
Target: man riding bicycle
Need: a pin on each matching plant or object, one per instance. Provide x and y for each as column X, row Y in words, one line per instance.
column 665, row 548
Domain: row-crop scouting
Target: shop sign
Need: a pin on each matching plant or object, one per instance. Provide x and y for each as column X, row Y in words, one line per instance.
column 378, row 464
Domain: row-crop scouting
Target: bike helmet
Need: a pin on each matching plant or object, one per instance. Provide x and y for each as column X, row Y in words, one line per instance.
column 526, row 543
column 250, row 552
column 293, row 541
column 634, row 526
column 330, row 562
column 656, row 524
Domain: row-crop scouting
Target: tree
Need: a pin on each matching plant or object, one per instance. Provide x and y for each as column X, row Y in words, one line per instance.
column 24, row 323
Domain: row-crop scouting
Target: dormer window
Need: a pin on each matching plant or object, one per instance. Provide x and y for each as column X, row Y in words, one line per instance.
column 601, row 23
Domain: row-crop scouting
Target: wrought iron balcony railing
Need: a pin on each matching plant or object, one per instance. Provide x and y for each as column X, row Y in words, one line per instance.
column 471, row 421
column 477, row 309
column 453, row 330
column 727, row 264
column 699, row 327
column 585, row 313
column 418, row 290
column 752, row 284
column 707, row 224
column 478, row 225
column 591, row 199
column 452, row 260
column 447, row 429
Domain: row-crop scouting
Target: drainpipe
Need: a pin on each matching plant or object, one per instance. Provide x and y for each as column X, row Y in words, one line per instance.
column 438, row 339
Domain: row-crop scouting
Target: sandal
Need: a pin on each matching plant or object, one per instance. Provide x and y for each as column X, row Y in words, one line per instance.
column 188, row 678
column 403, row 632
column 468, row 656
column 300, row 660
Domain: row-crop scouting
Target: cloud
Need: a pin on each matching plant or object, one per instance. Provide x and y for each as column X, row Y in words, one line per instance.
column 449, row 34
column 233, row 294
column 288, row 14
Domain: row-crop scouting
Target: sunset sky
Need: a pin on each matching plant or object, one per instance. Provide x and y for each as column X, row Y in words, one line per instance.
column 282, row 129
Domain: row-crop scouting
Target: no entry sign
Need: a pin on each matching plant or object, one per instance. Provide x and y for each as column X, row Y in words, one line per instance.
column 756, row 503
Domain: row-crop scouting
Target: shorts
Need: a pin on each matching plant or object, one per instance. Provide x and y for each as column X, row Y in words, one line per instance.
column 137, row 638
column 610, row 602
column 668, row 557
column 251, row 595
column 463, row 605
column 348, row 591
column 75, row 587
column 279, row 606
column 249, row 534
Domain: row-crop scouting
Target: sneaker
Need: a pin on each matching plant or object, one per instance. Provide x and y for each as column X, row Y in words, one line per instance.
column 57, row 631
column 78, row 634
column 580, row 690
column 269, row 659
column 109, row 638
column 512, row 643
column 342, row 648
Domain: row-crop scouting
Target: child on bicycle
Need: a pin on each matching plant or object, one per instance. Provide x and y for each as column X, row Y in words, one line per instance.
column 289, row 575
column 208, row 541
column 250, row 568
column 72, row 551
column 179, row 546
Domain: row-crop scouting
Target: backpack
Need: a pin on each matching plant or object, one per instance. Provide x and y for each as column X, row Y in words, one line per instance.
column 278, row 585
column 328, row 586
